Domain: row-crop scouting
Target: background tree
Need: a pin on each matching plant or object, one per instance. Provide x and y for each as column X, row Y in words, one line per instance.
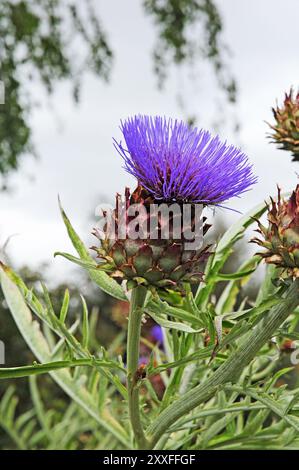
column 189, row 30
column 39, row 43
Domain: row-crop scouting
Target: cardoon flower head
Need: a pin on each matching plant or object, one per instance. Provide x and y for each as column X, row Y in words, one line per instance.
column 280, row 237
column 175, row 165
column 286, row 126
column 175, row 162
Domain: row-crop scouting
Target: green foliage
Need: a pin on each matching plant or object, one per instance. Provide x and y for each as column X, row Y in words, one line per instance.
column 107, row 284
column 201, row 334
column 244, row 417
column 64, row 426
column 66, row 348
column 189, row 30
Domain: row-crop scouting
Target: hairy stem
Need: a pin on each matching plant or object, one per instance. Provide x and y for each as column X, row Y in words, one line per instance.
column 229, row 371
column 134, row 327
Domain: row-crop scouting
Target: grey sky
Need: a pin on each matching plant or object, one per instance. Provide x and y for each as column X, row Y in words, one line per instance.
column 78, row 160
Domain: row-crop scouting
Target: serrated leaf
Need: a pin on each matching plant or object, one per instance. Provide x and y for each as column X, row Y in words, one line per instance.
column 170, row 324
column 255, row 422
column 238, row 228
column 85, row 324
column 253, row 312
column 160, row 307
column 276, row 376
column 223, row 250
column 106, row 283
column 80, row 262
column 7, row 397
column 234, row 276
column 65, row 306
column 266, row 400
column 38, row 369
column 267, row 287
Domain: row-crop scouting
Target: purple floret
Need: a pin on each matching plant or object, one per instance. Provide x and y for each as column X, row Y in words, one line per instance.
column 176, row 162
column 157, row 333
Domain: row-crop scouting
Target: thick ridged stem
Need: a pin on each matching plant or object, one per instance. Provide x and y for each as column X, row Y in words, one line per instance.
column 231, row 370
column 133, row 341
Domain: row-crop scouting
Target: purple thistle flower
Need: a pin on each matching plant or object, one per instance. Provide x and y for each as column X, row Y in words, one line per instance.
column 175, row 162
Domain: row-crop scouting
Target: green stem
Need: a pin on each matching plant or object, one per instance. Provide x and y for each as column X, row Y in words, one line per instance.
column 134, row 327
column 231, row 369
column 38, row 369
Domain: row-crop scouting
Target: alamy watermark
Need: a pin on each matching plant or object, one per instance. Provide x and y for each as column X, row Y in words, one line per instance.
column 2, row 92
column 154, row 221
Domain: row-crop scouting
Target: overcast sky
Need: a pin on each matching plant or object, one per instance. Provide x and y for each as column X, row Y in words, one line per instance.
column 78, row 160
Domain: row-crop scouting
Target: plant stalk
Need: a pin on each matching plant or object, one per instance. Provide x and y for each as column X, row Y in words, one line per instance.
column 229, row 371
column 133, row 341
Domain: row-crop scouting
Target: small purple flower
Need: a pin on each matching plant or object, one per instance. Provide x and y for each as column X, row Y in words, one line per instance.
column 175, row 162
column 157, row 333
column 143, row 360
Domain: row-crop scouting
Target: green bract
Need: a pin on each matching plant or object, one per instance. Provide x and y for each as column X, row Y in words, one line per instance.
column 155, row 263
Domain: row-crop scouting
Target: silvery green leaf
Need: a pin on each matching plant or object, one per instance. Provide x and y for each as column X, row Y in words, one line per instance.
column 33, row 336
column 106, row 283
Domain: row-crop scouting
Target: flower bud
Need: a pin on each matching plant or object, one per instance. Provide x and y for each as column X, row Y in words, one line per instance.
column 281, row 236
column 286, row 127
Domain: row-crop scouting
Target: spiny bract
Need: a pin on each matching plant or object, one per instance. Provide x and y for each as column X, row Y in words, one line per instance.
column 155, row 263
column 286, row 128
column 281, row 237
